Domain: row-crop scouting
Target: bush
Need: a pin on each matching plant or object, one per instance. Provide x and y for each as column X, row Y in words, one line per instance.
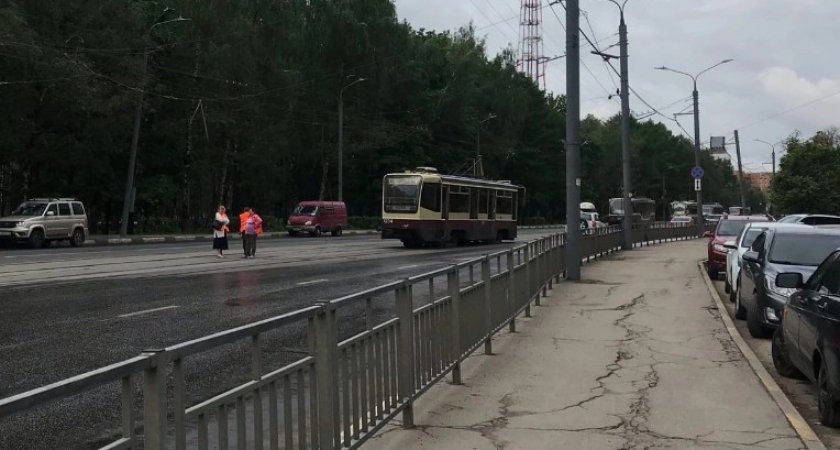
column 364, row 223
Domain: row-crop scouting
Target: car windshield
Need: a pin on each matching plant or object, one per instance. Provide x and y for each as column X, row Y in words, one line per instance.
column 803, row 249
column 730, row 227
column 30, row 209
column 750, row 236
column 306, row 210
column 790, row 219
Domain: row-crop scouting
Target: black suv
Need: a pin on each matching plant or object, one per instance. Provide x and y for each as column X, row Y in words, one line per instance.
column 789, row 249
column 808, row 341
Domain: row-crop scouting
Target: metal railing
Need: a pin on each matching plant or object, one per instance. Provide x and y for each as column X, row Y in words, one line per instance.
column 351, row 381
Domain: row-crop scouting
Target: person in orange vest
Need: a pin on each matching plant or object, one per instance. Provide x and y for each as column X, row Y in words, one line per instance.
column 253, row 228
column 243, row 217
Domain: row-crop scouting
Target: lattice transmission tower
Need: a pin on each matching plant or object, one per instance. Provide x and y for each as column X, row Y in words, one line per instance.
column 531, row 61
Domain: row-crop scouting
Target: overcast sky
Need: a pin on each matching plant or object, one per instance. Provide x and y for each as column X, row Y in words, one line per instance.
column 785, row 55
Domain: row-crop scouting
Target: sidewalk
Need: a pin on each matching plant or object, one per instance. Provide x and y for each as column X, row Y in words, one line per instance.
column 633, row 357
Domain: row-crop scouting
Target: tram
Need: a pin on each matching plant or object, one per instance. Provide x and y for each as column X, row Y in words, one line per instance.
column 422, row 207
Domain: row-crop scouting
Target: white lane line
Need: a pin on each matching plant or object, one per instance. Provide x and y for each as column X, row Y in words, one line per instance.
column 410, row 266
column 307, row 283
column 147, row 311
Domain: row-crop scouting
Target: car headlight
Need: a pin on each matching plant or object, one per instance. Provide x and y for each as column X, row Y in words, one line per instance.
column 720, row 248
column 308, row 222
column 19, row 224
column 771, row 286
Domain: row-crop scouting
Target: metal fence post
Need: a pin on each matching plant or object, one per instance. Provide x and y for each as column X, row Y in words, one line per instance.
column 405, row 314
column 488, row 306
column 325, row 370
column 511, row 291
column 527, row 258
column 154, row 402
column 544, row 267
column 452, row 281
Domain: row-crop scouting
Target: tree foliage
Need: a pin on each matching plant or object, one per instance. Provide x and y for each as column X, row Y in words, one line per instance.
column 808, row 179
column 240, row 107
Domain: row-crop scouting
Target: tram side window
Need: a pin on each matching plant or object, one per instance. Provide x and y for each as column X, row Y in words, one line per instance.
column 430, row 196
column 459, row 199
column 504, row 202
column 483, row 196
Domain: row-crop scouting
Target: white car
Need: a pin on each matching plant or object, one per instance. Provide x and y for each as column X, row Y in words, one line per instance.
column 741, row 245
column 811, row 219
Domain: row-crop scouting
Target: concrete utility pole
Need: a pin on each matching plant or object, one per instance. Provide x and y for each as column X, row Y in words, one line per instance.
column 695, row 95
column 128, row 199
column 572, row 140
column 740, row 170
column 772, row 153
column 627, row 218
column 341, row 138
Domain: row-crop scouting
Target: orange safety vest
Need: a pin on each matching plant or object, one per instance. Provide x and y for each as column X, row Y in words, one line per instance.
column 258, row 224
column 242, row 218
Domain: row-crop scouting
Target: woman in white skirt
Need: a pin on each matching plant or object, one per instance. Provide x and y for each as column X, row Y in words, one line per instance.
column 220, row 241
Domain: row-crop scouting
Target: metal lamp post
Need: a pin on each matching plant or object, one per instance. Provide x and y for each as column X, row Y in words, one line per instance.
column 696, row 125
column 128, row 199
column 477, row 165
column 772, row 153
column 341, row 137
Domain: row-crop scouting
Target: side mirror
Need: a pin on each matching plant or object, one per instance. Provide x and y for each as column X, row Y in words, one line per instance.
column 730, row 245
column 50, row 213
column 791, row 280
column 708, row 234
column 751, row 256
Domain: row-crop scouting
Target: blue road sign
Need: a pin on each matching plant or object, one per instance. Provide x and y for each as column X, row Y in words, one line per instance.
column 697, row 172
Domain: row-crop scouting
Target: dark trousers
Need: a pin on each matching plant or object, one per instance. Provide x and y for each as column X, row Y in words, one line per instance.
column 249, row 244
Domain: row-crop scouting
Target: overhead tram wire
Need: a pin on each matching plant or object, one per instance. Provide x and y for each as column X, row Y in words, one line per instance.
column 515, row 34
column 585, row 66
column 490, row 2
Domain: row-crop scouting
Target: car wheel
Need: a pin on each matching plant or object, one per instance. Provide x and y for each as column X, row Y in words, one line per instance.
column 781, row 361
column 827, row 404
column 740, row 311
column 336, row 232
column 733, row 294
column 713, row 273
column 37, row 239
column 78, row 238
column 315, row 233
column 726, row 287
column 754, row 325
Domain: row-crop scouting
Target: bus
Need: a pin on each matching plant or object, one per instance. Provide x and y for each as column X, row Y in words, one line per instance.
column 644, row 210
column 422, row 207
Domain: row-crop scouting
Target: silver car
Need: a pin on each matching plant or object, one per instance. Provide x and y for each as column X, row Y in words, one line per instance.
column 39, row 221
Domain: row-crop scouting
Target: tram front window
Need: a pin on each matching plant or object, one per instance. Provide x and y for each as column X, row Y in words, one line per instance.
column 401, row 194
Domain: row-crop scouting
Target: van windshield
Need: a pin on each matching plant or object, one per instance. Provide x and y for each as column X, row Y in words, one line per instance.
column 306, row 210
column 30, row 209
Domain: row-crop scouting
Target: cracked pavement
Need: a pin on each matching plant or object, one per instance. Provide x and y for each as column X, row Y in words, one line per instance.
column 633, row 357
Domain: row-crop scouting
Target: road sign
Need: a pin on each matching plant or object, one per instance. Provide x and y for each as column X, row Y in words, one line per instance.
column 696, row 184
column 697, row 172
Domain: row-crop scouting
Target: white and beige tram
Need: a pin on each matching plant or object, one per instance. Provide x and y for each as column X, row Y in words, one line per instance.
column 422, row 207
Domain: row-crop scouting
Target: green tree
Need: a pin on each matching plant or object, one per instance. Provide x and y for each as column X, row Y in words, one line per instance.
column 808, row 179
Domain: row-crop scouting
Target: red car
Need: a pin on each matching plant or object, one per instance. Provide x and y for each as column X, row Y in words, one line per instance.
column 316, row 217
column 726, row 230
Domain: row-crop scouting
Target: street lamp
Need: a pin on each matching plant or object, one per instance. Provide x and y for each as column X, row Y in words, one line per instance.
column 477, row 165
column 341, row 137
column 696, row 125
column 772, row 153
column 128, row 199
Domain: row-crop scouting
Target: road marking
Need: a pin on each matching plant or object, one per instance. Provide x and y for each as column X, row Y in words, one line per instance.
column 410, row 266
column 147, row 311
column 307, row 283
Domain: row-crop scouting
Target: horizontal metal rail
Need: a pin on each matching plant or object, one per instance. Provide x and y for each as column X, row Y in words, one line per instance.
column 341, row 391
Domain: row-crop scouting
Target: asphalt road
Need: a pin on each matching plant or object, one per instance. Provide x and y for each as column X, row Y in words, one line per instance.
column 800, row 392
column 70, row 310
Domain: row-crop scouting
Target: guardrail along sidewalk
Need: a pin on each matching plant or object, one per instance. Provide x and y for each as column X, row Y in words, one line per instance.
column 330, row 375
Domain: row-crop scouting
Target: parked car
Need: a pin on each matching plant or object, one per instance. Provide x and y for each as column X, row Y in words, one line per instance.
column 39, row 221
column 738, row 247
column 590, row 220
column 726, row 230
column 790, row 249
column 811, row 219
column 808, row 340
column 317, row 217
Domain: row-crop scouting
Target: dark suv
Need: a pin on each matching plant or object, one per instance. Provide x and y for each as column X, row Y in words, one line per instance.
column 808, row 341
column 790, row 249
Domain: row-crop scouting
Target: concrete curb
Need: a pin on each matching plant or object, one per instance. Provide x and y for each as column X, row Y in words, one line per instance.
column 805, row 432
column 139, row 240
